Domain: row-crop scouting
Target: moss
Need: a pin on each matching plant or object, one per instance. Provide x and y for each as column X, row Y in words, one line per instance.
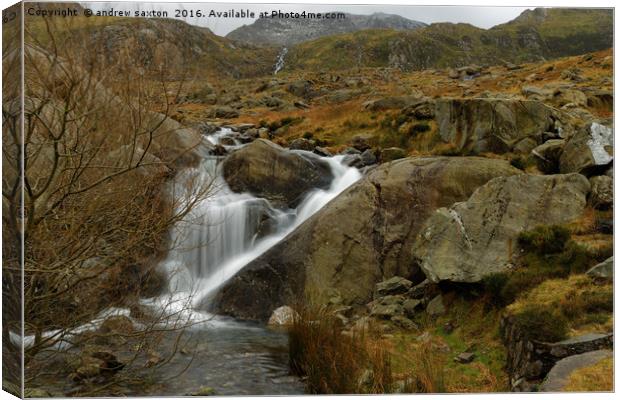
column 582, row 303
column 544, row 239
column 538, row 322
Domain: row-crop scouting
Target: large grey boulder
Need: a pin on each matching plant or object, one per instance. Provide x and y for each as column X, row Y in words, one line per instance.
column 477, row 237
column 492, row 125
column 589, row 149
column 267, row 170
column 362, row 237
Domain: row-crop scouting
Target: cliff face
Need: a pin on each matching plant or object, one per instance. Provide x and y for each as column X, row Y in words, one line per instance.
column 534, row 36
column 289, row 31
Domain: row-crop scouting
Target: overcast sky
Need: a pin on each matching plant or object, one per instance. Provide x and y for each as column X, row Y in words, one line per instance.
column 483, row 17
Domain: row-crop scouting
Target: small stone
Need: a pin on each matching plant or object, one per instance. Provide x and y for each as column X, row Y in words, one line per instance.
column 435, row 307
column 448, row 327
column 283, row 316
column 604, row 270
column 394, row 285
column 404, row 322
column 410, row 306
column 465, row 358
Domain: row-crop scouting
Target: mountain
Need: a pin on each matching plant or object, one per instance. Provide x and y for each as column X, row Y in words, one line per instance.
column 177, row 45
column 535, row 35
column 288, row 31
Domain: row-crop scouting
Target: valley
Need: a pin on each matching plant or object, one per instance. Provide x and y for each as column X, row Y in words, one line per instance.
column 369, row 206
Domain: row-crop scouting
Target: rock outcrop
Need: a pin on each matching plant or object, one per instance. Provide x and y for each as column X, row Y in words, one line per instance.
column 493, row 125
column 479, row 236
column 269, row 171
column 363, row 236
column 589, row 150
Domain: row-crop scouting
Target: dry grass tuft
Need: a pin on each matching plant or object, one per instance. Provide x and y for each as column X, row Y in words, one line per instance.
column 595, row 378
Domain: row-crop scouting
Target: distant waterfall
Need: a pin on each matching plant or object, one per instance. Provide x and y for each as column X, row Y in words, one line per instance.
column 280, row 61
column 224, row 231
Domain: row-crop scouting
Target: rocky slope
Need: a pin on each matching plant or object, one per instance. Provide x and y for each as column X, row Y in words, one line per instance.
column 289, row 31
column 535, row 35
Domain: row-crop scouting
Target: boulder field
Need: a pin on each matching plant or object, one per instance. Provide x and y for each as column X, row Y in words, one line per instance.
column 363, row 236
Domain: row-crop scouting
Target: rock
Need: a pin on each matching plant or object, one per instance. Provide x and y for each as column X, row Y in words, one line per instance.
column 358, row 239
column 353, row 160
column 387, row 307
column 219, row 150
column 548, row 155
column 603, row 271
column 492, row 125
column 572, row 74
column 392, row 153
column 465, row 358
column 435, row 307
column 302, row 144
column 227, row 141
column 602, row 194
column 283, row 316
column 350, row 150
column 96, row 363
column 404, row 322
column 360, row 142
column 272, row 102
column 422, row 111
column 421, row 290
column 301, row 104
column 524, row 146
column 241, row 127
column 448, row 327
column 410, row 306
column 391, row 103
column 300, row 88
column 562, row 97
column 225, row 112
column 368, row 157
column 267, row 170
column 557, row 378
column 589, row 149
column 394, row 285
column 478, row 237
column 322, row 151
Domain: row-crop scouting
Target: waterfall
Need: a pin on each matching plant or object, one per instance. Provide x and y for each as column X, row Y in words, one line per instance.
column 226, row 231
column 280, row 61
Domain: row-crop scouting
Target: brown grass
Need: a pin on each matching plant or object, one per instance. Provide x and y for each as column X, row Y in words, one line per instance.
column 595, row 378
column 334, row 363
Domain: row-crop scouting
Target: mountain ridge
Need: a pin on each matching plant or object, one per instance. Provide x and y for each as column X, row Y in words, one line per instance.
column 290, row 31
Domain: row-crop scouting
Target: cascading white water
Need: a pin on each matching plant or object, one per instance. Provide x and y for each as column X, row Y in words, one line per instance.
column 221, row 235
column 280, row 61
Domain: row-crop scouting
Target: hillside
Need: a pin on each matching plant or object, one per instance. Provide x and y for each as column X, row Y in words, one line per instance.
column 178, row 46
column 288, row 31
column 534, row 36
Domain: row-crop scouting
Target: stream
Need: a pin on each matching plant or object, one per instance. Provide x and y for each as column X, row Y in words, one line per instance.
column 222, row 234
